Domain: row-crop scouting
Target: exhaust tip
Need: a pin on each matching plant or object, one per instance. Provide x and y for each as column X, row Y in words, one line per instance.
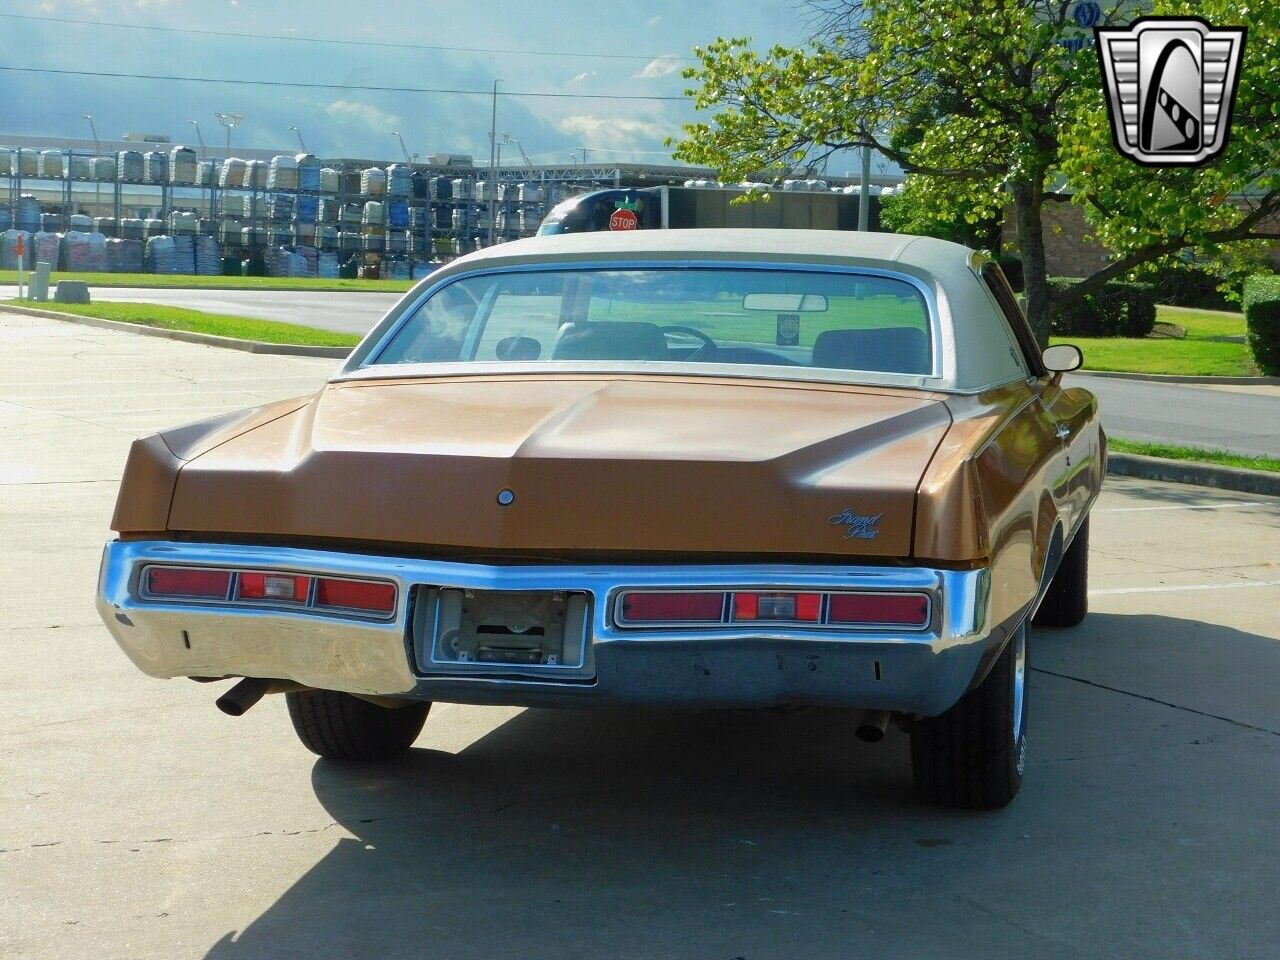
column 241, row 698
column 871, row 727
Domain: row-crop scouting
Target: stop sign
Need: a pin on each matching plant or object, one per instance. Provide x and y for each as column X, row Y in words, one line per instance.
column 624, row 220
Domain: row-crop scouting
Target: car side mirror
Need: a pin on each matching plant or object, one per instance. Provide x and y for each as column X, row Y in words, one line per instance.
column 1062, row 358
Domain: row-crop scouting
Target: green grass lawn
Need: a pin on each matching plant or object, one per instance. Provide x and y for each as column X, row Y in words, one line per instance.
column 216, row 283
column 222, row 325
column 1196, row 355
column 1174, row 452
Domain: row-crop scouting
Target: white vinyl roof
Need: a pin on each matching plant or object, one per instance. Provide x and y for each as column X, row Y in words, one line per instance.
column 976, row 347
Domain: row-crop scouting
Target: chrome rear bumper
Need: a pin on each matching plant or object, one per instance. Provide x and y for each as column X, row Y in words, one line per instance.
column 730, row 665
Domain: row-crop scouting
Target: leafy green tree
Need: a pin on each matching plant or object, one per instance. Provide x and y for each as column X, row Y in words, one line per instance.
column 1014, row 117
column 915, row 209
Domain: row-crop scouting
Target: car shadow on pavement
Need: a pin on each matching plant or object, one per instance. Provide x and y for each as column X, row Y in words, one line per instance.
column 557, row 819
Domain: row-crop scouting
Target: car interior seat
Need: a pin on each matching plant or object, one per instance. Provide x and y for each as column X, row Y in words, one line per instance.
column 592, row 340
column 887, row 349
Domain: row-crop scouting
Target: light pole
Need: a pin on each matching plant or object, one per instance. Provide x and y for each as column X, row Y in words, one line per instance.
column 403, row 148
column 97, row 150
column 204, row 151
column 493, row 160
column 204, row 155
column 864, row 195
column 298, row 133
column 230, row 121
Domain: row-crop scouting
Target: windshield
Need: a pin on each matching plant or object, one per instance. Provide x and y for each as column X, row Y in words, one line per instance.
column 773, row 317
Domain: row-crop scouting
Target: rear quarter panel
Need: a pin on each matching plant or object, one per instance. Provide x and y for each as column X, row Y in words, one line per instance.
column 998, row 488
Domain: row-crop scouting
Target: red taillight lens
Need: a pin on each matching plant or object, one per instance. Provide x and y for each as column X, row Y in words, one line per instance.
column 673, row 607
column 183, row 582
column 777, row 606
column 274, row 586
column 906, row 609
column 355, row 595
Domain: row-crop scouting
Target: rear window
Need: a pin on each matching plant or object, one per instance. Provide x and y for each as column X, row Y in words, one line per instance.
column 678, row 316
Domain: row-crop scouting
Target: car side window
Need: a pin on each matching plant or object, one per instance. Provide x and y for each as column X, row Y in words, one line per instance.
column 998, row 286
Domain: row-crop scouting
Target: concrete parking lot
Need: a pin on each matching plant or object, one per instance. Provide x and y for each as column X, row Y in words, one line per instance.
column 138, row 822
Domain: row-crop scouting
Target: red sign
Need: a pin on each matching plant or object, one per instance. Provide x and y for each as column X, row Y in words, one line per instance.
column 624, row 220
column 19, row 247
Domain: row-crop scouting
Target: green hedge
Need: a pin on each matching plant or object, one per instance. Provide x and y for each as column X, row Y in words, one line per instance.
column 1191, row 287
column 1262, row 318
column 1119, row 309
column 1011, row 264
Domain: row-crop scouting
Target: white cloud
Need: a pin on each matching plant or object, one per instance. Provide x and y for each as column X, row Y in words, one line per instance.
column 653, row 21
column 596, row 130
column 658, row 67
column 585, row 74
column 360, row 112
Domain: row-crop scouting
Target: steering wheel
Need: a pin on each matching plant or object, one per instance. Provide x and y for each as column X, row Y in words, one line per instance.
column 708, row 345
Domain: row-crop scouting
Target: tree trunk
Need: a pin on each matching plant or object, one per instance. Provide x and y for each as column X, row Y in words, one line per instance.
column 1028, row 201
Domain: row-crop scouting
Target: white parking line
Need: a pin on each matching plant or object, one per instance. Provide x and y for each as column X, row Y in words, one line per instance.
column 1112, row 591
column 1185, row 506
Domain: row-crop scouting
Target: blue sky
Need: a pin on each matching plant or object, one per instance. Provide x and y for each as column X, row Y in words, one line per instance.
column 356, row 123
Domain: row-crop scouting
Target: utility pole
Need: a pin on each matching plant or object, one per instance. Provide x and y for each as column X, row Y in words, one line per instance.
column 230, row 121
column 493, row 160
column 864, row 196
column 403, row 148
column 97, row 151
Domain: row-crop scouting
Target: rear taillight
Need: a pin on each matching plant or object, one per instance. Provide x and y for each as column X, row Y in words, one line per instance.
column 799, row 608
column 778, row 606
column 274, row 586
column 690, row 607
column 896, row 609
column 367, row 595
column 305, row 591
column 188, row 582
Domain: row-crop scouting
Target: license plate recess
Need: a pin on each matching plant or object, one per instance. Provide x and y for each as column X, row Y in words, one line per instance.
column 502, row 632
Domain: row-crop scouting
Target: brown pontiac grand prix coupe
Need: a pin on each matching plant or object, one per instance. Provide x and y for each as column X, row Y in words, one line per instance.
column 680, row 469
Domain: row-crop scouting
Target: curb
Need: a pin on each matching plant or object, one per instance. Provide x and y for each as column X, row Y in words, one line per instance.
column 188, row 336
column 1178, row 378
column 1201, row 474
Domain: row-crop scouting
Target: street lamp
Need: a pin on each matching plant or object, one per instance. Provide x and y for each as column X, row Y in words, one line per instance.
column 403, row 148
column 302, row 145
column 230, row 121
column 97, row 150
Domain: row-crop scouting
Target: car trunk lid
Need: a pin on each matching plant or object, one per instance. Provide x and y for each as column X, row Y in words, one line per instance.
column 590, row 466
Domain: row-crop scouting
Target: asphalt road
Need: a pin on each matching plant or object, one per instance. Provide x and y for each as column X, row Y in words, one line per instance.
column 138, row 822
column 1244, row 422
column 1240, row 419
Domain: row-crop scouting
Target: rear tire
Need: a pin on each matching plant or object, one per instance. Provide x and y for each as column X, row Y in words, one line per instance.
column 339, row 726
column 973, row 755
column 1067, row 600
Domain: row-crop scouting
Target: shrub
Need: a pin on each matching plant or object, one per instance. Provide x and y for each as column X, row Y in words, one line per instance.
column 1191, row 287
column 1011, row 264
column 1262, row 318
column 1119, row 309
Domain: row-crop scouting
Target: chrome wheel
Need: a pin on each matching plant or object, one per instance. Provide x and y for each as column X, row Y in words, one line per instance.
column 1019, row 672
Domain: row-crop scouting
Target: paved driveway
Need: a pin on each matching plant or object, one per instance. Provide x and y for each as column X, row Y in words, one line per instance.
column 138, row 822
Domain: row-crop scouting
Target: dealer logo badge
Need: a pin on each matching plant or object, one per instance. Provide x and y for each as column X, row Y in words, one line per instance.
column 1170, row 83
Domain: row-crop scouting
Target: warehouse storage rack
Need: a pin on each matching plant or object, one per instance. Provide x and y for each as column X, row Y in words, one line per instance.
column 444, row 226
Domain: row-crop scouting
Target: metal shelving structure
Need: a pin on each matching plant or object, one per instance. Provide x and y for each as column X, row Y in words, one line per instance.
column 455, row 223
